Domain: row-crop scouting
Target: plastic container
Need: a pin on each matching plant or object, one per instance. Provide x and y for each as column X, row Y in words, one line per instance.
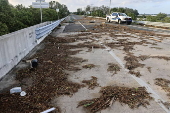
column 15, row 90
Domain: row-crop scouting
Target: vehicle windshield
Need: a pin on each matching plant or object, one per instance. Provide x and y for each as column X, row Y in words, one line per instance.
column 122, row 14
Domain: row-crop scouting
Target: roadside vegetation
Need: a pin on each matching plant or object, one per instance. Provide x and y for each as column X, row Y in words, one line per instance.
column 103, row 10
column 17, row 17
column 161, row 17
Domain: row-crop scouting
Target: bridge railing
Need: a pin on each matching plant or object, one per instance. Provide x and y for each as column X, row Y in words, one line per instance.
column 42, row 31
column 15, row 46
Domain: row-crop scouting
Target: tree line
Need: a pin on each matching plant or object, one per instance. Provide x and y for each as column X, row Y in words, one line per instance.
column 103, row 10
column 13, row 18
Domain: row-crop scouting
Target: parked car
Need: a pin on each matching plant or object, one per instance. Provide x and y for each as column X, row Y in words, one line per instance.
column 119, row 18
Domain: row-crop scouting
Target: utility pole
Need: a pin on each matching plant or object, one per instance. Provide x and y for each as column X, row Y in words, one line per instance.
column 40, row 4
column 109, row 6
column 41, row 10
column 57, row 11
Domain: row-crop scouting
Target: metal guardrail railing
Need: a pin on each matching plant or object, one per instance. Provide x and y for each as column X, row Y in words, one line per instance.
column 40, row 32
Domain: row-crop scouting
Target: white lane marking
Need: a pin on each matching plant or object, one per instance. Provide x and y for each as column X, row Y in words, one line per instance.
column 157, row 98
column 81, row 24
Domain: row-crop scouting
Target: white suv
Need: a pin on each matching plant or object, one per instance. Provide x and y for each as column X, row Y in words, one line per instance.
column 119, row 18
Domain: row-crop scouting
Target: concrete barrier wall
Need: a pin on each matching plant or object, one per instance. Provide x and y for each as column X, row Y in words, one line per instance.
column 15, row 46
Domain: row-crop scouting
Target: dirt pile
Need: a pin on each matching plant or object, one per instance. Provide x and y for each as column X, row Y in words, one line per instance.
column 133, row 97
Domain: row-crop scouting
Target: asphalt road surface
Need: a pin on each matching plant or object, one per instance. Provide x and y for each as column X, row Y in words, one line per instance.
column 76, row 26
column 153, row 69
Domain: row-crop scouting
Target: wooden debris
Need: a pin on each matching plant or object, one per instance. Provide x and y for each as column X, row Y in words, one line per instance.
column 133, row 97
column 48, row 79
column 137, row 74
column 91, row 83
column 113, row 67
column 89, row 66
column 164, row 83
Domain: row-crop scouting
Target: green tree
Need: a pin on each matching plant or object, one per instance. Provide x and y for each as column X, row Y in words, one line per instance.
column 3, row 29
column 63, row 10
column 87, row 8
column 167, row 19
column 19, row 17
column 132, row 15
column 151, row 18
column 161, row 16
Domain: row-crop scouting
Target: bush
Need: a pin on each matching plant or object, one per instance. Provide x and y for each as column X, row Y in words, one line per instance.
column 3, row 29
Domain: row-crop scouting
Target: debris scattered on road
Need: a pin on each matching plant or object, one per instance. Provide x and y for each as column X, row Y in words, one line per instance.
column 15, row 90
column 49, row 110
column 91, row 83
column 143, row 57
column 48, row 80
column 155, row 39
column 149, row 69
column 89, row 66
column 137, row 74
column 113, row 67
column 34, row 63
column 167, row 104
column 164, row 83
column 132, row 62
column 23, row 93
column 133, row 97
column 92, row 21
column 161, row 57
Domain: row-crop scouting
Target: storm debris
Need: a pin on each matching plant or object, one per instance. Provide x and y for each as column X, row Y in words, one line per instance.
column 133, row 97
column 132, row 62
column 164, row 83
column 143, row 57
column 161, row 57
column 91, row 83
column 48, row 80
column 167, row 104
column 113, row 67
column 149, row 69
column 90, row 45
column 89, row 66
column 137, row 74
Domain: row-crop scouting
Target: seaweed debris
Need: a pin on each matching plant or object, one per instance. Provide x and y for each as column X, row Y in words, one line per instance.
column 91, row 83
column 133, row 97
column 113, row 67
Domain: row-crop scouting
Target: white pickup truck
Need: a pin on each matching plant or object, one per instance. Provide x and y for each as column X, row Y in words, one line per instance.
column 119, row 18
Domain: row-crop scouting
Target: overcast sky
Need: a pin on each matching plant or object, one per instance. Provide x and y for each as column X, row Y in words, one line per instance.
column 143, row 6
